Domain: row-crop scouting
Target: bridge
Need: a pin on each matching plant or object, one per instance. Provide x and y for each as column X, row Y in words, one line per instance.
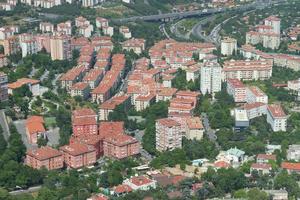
column 178, row 15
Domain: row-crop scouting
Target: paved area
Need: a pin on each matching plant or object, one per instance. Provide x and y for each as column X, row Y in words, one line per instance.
column 52, row 135
column 4, row 125
column 20, row 125
column 211, row 133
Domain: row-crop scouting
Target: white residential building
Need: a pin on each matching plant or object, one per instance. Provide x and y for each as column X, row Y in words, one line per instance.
column 210, row 78
column 293, row 153
column 228, row 46
column 254, row 94
column 254, row 110
column 140, row 183
column 276, row 117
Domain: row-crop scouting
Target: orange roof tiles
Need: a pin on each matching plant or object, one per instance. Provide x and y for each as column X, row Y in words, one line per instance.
column 249, row 106
column 194, row 123
column 256, row 91
column 122, row 189
column 168, row 122
column 167, row 92
column 266, row 156
column 34, row 124
column 236, row 83
column 290, row 166
column 276, row 111
column 80, row 86
column 84, row 121
column 73, row 73
column 93, row 75
column 113, row 102
column 140, row 180
column 107, row 129
column 261, row 166
column 222, row 164
column 76, row 149
column 120, row 140
column 44, row 153
column 83, row 112
column 23, row 81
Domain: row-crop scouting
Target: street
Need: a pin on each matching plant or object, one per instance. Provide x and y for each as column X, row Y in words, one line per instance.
column 211, row 133
column 4, row 125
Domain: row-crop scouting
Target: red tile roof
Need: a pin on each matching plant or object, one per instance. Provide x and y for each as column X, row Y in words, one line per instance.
column 290, row 166
column 276, row 111
column 122, row 189
column 80, row 86
column 194, row 123
column 44, row 153
column 76, row 149
column 261, row 166
column 266, row 156
column 168, row 122
column 140, row 180
column 111, row 128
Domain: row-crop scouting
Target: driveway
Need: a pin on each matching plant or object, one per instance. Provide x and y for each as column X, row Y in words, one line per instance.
column 211, row 133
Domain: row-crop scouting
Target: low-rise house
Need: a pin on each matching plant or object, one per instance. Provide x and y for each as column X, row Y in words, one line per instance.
column 98, row 197
column 195, row 129
column 140, row 183
column 277, row 194
column 235, row 155
column 35, row 128
column 78, row 155
column 122, row 189
column 125, row 32
column 34, row 86
column 276, row 117
column 293, row 153
column 262, row 168
column 291, row 167
column 265, row 158
column 44, row 157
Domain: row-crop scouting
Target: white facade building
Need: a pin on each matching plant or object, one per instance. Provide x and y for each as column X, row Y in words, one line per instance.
column 228, row 46
column 276, row 117
column 211, row 76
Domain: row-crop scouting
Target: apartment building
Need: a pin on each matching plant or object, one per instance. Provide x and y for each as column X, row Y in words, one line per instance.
column 228, row 46
column 135, row 45
column 254, row 94
column 108, row 106
column 276, row 117
column 247, row 69
column 72, row 76
column 143, row 101
column 84, row 122
column 256, row 109
column 44, row 157
column 28, row 47
column 80, row 89
column 237, row 90
column 120, row 146
column 3, row 60
column 77, row 155
column 293, row 152
column 210, row 78
column 168, row 135
column 46, row 27
column 3, row 87
column 60, row 47
column 93, row 77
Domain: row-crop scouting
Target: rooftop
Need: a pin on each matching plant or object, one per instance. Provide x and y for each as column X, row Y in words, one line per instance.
column 44, row 153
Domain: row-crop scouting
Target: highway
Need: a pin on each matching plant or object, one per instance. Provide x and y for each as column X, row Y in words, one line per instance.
column 204, row 12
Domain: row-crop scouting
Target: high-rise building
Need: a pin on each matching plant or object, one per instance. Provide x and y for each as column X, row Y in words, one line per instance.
column 60, row 47
column 3, row 87
column 168, row 135
column 211, row 76
column 228, row 46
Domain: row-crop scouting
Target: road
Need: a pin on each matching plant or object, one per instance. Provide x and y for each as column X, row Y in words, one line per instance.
column 211, row 133
column 29, row 190
column 20, row 125
column 197, row 29
column 4, row 125
column 162, row 28
column 204, row 12
column 139, row 136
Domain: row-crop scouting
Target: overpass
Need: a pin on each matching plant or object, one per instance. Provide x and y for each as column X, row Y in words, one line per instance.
column 178, row 15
